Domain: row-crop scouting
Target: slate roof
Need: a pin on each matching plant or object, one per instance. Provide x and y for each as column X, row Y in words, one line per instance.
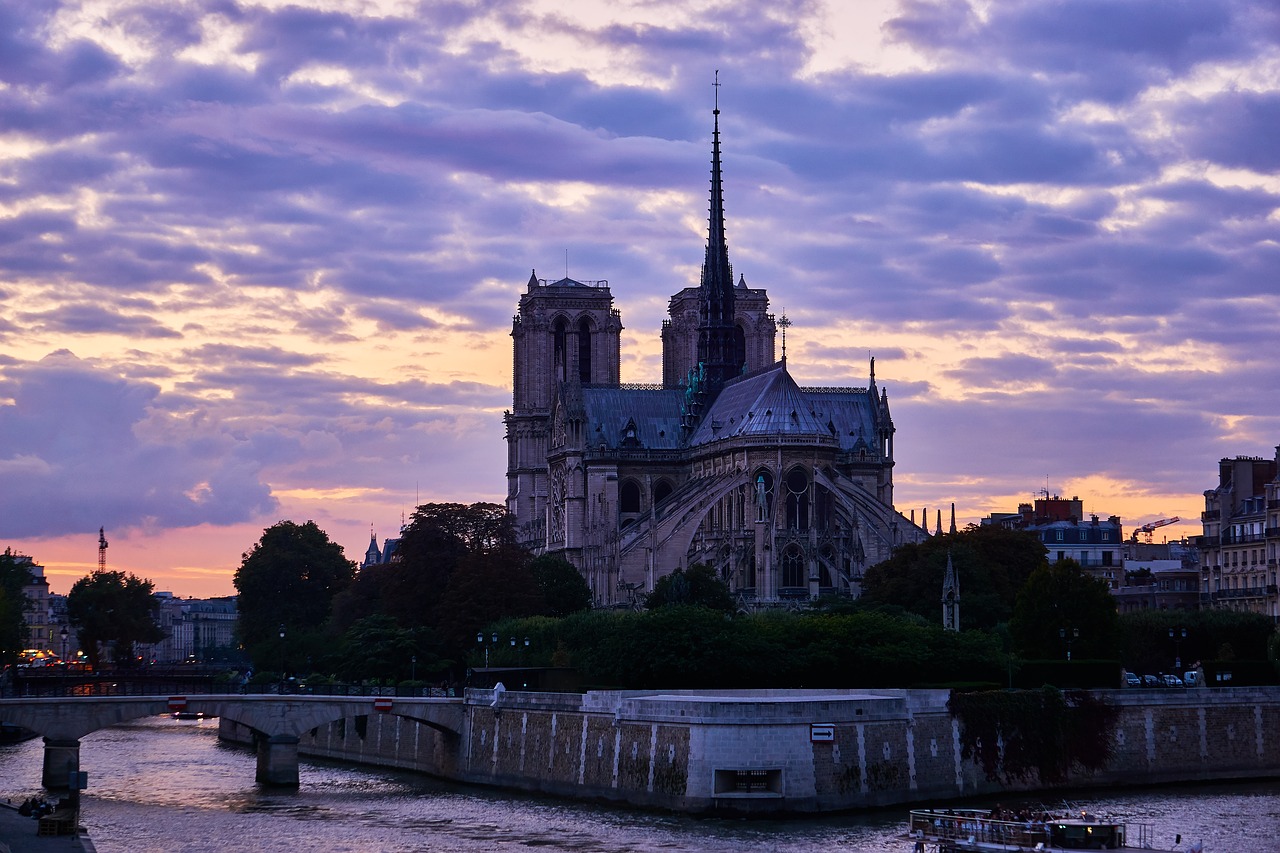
column 655, row 411
column 761, row 404
column 769, row 403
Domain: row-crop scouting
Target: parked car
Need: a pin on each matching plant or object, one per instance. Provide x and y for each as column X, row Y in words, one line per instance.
column 1132, row 679
column 1171, row 680
column 1150, row 681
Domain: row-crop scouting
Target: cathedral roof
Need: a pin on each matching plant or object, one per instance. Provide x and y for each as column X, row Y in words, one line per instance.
column 770, row 403
column 652, row 413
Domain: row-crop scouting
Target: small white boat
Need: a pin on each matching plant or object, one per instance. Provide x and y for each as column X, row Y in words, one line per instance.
column 978, row 831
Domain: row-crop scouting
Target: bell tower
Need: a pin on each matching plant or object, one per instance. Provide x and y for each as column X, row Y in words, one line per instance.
column 565, row 331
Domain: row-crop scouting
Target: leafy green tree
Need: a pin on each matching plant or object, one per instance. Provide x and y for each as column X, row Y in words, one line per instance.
column 563, row 587
column 289, row 579
column 1060, row 602
column 991, row 562
column 113, row 609
column 13, row 602
column 698, row 585
column 484, row 588
column 413, row 586
column 376, row 647
column 1152, row 639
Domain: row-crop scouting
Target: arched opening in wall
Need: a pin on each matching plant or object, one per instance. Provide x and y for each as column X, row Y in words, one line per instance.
column 826, row 569
column 824, row 514
column 739, row 347
column 797, row 483
column 749, row 572
column 559, row 343
column 629, row 498
column 662, row 490
column 764, row 494
column 794, row 575
column 584, row 351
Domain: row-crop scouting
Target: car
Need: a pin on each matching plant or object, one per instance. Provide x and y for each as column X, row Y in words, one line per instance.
column 1132, row 679
column 1150, row 681
column 1172, row 680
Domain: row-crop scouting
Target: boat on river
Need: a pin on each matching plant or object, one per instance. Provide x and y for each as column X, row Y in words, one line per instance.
column 982, row 831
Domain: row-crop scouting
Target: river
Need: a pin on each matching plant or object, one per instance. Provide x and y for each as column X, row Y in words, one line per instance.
column 168, row 786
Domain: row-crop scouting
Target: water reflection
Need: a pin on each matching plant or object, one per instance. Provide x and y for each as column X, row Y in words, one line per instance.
column 162, row 785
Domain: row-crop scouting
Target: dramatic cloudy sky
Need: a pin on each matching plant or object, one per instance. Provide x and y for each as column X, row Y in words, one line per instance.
column 258, row 260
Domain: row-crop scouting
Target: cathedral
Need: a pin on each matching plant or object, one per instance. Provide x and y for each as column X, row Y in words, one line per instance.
column 787, row 492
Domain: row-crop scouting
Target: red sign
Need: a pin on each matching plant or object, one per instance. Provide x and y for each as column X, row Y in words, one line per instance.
column 177, row 703
column 382, row 703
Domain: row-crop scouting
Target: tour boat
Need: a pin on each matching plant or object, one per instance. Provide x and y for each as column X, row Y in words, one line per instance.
column 990, row 831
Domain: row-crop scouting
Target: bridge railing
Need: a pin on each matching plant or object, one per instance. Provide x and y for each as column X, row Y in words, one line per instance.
column 152, row 684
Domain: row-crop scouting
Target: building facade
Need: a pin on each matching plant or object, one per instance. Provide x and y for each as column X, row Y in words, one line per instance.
column 1241, row 539
column 1096, row 544
column 787, row 492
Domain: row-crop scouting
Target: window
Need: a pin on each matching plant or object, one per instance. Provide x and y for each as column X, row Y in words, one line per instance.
column 629, row 497
column 793, row 572
column 584, row 350
column 1057, row 535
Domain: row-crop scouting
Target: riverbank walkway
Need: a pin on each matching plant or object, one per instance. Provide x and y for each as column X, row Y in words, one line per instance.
column 18, row 834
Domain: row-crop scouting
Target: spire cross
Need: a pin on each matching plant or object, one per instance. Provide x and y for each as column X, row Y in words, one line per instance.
column 716, row 84
column 784, row 323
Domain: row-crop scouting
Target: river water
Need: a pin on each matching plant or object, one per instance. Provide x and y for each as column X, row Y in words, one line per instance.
column 169, row 786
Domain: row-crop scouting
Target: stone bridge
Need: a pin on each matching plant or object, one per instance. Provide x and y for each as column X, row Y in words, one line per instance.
column 277, row 722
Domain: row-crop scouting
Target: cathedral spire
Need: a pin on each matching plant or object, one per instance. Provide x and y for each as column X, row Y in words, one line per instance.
column 717, row 339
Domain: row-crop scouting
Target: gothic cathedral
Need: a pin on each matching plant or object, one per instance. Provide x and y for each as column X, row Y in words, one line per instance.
column 787, row 492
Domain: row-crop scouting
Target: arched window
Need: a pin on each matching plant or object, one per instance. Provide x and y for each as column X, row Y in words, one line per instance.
column 739, row 348
column 793, row 570
column 558, row 348
column 584, row 350
column 629, row 497
column 797, row 482
column 764, row 495
column 662, row 491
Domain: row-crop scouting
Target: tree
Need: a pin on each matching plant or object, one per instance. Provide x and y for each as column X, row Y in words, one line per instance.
column 563, row 587
column 439, row 536
column 697, row 585
column 991, row 562
column 116, row 610
column 289, row 579
column 14, row 574
column 1061, row 603
column 376, row 647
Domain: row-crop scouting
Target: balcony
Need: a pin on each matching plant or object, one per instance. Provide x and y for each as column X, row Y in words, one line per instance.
column 1273, row 532
column 1241, row 538
column 1210, row 515
column 1207, row 542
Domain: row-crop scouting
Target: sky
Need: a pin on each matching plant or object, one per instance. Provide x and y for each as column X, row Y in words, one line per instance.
column 258, row 260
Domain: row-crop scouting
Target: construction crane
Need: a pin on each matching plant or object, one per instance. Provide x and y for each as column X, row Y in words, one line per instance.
column 102, row 549
column 1147, row 529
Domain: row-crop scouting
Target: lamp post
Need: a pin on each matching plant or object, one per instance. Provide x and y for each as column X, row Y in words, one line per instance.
column 1177, row 635
column 1069, row 638
column 493, row 641
column 413, row 668
column 282, row 664
column 63, row 634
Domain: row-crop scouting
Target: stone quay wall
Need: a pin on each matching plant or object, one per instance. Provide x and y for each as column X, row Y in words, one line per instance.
column 786, row 750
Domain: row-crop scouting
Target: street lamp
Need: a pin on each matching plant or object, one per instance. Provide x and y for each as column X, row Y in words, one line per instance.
column 1069, row 638
column 413, row 668
column 282, row 664
column 1177, row 635
column 63, row 634
column 480, row 641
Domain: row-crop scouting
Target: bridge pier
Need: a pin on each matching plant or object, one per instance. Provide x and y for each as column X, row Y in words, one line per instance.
column 61, row 758
column 278, row 760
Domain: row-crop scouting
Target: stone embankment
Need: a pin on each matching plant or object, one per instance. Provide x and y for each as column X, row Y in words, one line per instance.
column 785, row 750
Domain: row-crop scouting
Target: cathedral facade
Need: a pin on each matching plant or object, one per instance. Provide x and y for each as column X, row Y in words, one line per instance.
column 787, row 492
